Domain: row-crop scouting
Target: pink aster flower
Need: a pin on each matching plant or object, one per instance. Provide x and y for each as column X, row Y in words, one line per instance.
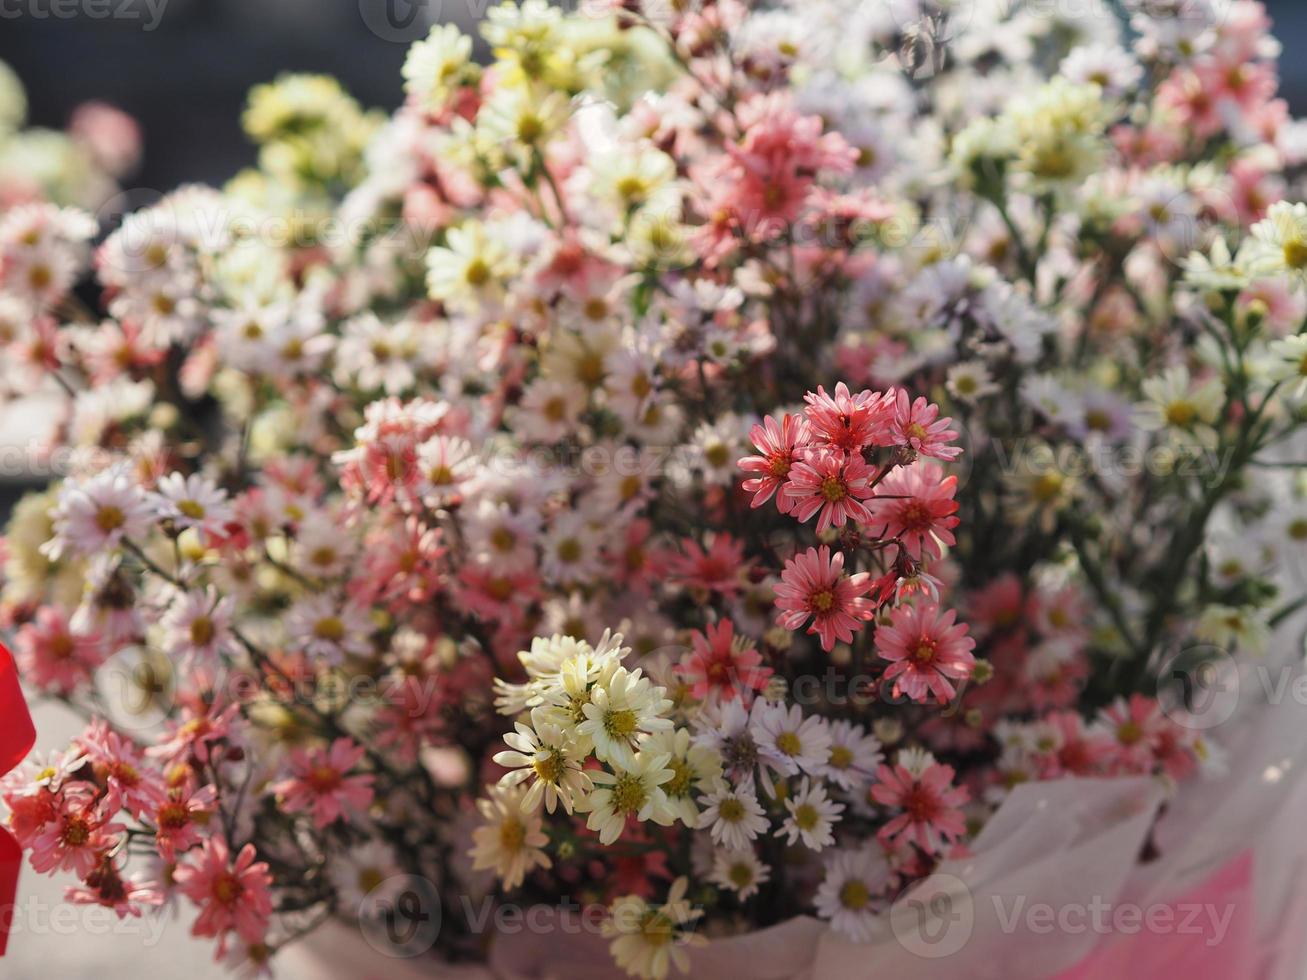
column 131, row 783
column 719, row 569
column 321, row 785
column 78, row 837
column 916, row 424
column 813, row 585
column 106, row 886
column 1136, row 727
column 926, row 649
column 915, row 504
column 723, row 665
column 52, row 657
column 847, row 421
column 179, row 819
column 231, row 895
column 779, row 447
column 832, row 485
column 930, row 803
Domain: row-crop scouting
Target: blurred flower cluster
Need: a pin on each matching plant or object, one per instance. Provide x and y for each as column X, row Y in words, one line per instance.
column 694, row 463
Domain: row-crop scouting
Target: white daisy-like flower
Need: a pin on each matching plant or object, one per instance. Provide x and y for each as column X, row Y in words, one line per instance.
column 623, row 705
column 1287, row 362
column 739, row 870
column 549, row 409
column 647, row 940
column 546, row 758
column 970, row 381
column 812, row 818
column 324, row 627
column 472, row 268
column 1242, row 627
column 696, row 767
column 636, row 792
column 1218, row 269
column 571, row 550
column 497, row 533
column 1184, row 410
column 801, row 743
column 434, row 64
column 368, row 872
column 733, row 816
column 197, row 624
column 847, row 895
column 321, row 550
column 1110, row 67
column 1279, row 242
column 98, row 514
column 853, row 757
column 725, row 727
column 374, row 355
column 193, row 501
column 510, row 840
column 444, row 463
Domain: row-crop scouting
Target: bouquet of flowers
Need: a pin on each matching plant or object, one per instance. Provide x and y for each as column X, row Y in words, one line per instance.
column 693, row 463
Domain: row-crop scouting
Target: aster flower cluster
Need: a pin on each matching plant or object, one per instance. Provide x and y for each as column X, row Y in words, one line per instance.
column 695, row 463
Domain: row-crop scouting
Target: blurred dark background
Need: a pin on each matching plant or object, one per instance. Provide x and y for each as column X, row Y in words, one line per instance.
column 185, row 78
column 183, row 67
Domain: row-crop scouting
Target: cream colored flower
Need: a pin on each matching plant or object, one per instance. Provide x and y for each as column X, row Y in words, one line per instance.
column 510, row 840
column 435, row 64
column 649, row 939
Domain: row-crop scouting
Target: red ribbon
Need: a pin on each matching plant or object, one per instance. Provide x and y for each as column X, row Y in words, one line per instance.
column 17, row 736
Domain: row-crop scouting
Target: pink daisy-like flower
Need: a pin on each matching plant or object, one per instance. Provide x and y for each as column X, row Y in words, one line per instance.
column 79, row 836
column 52, row 657
column 106, row 886
column 849, row 422
column 813, row 585
column 915, row 504
column 180, row 818
column 779, row 447
column 131, row 784
column 1135, row 726
column 319, row 783
column 723, row 665
column 231, row 894
column 930, row 803
column 832, row 484
column 926, row 648
column 720, row 569
column 917, row 425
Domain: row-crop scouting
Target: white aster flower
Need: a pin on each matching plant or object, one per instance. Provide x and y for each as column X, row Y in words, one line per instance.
column 647, row 940
column 799, row 742
column 510, row 839
column 853, row 757
column 98, row 514
column 846, row 897
column 739, row 871
column 434, row 64
column 636, row 792
column 812, row 816
column 193, row 501
column 623, row 705
column 547, row 759
column 733, row 816
column 696, row 767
